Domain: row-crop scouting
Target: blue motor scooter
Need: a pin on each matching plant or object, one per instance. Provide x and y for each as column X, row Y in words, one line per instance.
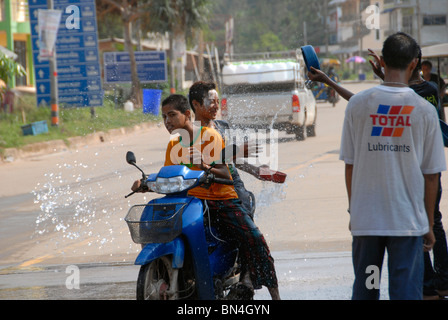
column 182, row 256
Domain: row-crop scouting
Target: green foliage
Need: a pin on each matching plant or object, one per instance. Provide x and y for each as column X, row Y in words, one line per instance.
column 9, row 68
column 261, row 25
column 167, row 15
column 72, row 121
column 270, row 42
column 110, row 26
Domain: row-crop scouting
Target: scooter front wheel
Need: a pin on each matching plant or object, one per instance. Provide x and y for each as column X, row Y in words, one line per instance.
column 157, row 280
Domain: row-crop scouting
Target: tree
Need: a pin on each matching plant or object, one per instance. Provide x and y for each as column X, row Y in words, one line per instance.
column 257, row 20
column 178, row 17
column 130, row 11
column 9, row 68
column 270, row 42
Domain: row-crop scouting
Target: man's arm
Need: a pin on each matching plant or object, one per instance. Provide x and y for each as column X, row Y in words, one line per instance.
column 348, row 185
column 320, row 76
column 348, row 181
column 431, row 187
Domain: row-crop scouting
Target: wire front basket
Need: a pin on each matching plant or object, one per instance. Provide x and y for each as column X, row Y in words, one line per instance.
column 155, row 222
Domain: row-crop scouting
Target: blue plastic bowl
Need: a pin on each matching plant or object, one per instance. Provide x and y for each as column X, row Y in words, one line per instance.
column 310, row 57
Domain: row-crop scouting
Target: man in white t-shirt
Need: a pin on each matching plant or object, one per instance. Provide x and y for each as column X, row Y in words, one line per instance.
column 393, row 150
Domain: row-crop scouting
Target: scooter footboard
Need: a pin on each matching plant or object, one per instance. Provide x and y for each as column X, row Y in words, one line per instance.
column 152, row 251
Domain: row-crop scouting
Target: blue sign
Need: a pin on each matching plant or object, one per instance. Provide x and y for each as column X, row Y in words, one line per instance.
column 151, row 67
column 77, row 55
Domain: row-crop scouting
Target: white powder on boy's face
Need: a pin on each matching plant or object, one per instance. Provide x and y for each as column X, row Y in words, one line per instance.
column 212, row 96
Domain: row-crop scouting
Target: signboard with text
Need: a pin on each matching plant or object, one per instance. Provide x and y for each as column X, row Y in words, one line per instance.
column 77, row 55
column 151, row 67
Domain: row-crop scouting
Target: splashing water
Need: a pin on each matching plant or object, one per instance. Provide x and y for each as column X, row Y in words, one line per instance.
column 74, row 207
column 270, row 194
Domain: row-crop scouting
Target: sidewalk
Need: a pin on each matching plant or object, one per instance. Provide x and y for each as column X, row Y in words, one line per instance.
column 54, row 146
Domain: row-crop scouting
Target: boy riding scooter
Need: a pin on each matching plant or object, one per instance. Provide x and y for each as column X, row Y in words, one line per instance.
column 199, row 148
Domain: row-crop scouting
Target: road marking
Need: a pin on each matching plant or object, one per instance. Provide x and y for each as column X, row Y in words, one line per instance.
column 310, row 162
column 49, row 256
column 36, row 260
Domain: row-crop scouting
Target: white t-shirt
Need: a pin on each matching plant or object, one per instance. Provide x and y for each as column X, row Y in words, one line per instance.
column 392, row 137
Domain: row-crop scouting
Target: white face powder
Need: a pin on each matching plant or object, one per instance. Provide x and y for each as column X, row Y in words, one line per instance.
column 212, row 97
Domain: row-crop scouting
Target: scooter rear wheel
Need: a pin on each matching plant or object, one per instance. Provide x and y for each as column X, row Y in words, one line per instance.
column 154, row 278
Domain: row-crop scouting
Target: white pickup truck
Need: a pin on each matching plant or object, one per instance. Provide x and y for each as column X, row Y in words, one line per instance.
column 269, row 93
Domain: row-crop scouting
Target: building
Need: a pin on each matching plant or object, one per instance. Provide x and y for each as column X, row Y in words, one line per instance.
column 355, row 25
column 425, row 20
column 15, row 35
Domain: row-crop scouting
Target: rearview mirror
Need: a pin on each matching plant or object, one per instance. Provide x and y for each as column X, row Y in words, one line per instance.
column 130, row 158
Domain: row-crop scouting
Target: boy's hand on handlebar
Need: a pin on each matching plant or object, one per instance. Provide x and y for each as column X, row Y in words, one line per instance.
column 138, row 186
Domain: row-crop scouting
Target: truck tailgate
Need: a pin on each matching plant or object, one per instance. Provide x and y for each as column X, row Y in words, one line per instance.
column 259, row 108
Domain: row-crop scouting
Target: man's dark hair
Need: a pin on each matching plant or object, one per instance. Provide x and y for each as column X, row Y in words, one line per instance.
column 427, row 63
column 418, row 68
column 198, row 92
column 419, row 64
column 178, row 101
column 399, row 50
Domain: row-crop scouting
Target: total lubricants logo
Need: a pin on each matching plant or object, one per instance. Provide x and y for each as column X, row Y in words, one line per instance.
column 390, row 121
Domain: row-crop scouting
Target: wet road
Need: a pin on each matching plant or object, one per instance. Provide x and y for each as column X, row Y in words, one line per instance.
column 311, row 276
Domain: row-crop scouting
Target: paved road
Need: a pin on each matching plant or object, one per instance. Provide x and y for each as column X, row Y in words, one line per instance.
column 67, row 208
column 302, row 276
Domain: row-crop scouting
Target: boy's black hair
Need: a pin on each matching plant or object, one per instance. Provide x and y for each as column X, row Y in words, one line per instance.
column 399, row 50
column 178, row 101
column 198, row 92
column 428, row 63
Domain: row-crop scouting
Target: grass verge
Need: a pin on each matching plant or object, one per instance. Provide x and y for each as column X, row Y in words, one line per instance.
column 72, row 121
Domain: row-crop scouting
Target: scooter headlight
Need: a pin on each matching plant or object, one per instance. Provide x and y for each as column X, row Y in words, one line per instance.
column 171, row 185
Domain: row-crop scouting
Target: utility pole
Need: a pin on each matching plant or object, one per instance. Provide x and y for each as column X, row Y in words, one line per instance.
column 419, row 33
column 172, row 66
column 305, row 34
column 326, row 26
column 54, row 99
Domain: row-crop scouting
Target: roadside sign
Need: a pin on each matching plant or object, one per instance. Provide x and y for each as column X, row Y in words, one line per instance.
column 48, row 23
column 151, row 67
column 77, row 54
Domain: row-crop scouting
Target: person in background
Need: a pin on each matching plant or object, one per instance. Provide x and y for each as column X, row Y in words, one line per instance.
column 432, row 77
